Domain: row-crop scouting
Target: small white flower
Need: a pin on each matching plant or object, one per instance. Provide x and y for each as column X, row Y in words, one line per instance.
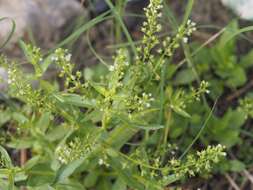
column 100, row 161
column 54, row 58
column 185, row 40
column 111, row 68
column 68, row 57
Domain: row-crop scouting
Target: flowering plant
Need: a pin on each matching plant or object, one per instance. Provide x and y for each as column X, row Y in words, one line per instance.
column 90, row 133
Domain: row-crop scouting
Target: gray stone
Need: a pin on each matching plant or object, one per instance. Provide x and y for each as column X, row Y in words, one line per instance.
column 3, row 79
column 43, row 17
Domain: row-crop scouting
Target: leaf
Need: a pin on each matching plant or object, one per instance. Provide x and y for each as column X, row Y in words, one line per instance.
column 91, row 179
column 247, row 60
column 75, row 100
column 170, row 179
column 19, row 117
column 139, row 125
column 180, row 111
column 5, row 158
column 104, row 183
column 119, row 185
column 101, row 90
column 237, row 77
column 125, row 174
column 4, row 117
column 236, row 166
column 40, row 174
column 66, row 170
column 21, row 143
column 44, row 122
column 185, row 76
column 70, row 184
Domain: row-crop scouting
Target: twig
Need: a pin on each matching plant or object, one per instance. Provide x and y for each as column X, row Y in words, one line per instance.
column 239, row 92
column 232, row 182
column 210, row 40
column 248, row 175
column 23, row 156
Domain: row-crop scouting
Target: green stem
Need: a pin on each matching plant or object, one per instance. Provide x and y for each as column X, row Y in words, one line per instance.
column 119, row 7
column 120, row 20
column 167, row 127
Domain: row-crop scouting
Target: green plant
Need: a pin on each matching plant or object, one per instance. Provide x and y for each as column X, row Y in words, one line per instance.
column 83, row 134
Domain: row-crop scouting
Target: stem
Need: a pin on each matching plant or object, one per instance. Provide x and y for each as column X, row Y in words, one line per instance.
column 126, row 32
column 104, row 121
column 167, row 127
column 119, row 7
column 23, row 157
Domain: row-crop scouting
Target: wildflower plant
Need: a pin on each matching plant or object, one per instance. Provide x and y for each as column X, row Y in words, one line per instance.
column 86, row 128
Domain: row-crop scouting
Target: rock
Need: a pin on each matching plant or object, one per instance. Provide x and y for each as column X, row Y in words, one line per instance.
column 43, row 17
column 242, row 8
column 3, row 79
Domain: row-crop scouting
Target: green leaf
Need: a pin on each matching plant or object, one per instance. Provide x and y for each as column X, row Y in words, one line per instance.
column 91, row 179
column 21, row 143
column 40, row 174
column 5, row 158
column 4, row 117
column 180, row 111
column 237, row 77
column 66, row 170
column 119, row 185
column 236, row 166
column 19, row 117
column 170, row 179
column 104, row 184
column 185, row 76
column 75, row 100
column 44, row 121
column 125, row 174
column 101, row 90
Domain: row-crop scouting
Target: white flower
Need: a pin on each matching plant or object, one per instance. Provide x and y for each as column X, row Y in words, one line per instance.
column 185, row 40
column 68, row 57
column 54, row 58
column 100, row 161
column 111, row 68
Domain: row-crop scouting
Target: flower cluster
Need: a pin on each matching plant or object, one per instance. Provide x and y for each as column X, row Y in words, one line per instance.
column 144, row 101
column 74, row 150
column 35, row 57
column 118, row 69
column 183, row 33
column 150, row 28
column 246, row 106
column 196, row 93
column 63, row 59
column 22, row 88
column 199, row 163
